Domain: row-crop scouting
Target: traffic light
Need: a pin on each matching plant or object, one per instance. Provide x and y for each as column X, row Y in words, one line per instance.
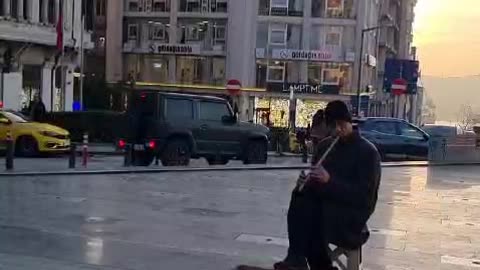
column 7, row 60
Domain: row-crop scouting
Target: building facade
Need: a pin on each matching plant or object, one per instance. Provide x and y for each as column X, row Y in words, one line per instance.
column 28, row 38
column 273, row 47
column 396, row 42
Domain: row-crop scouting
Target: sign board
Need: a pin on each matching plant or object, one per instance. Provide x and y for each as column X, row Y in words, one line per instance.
column 181, row 49
column 234, row 87
column 399, row 86
column 304, row 55
column 303, row 88
column 399, row 68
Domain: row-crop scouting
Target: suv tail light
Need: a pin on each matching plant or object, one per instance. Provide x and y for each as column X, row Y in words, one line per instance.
column 151, row 144
column 121, row 144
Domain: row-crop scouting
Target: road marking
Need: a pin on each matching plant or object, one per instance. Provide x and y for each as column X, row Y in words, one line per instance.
column 460, row 261
column 388, row 232
column 262, row 240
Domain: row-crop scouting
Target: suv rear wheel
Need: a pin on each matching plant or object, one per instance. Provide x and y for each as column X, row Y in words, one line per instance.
column 176, row 153
column 256, row 153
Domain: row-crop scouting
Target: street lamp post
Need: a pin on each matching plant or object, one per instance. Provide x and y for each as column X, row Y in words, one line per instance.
column 360, row 66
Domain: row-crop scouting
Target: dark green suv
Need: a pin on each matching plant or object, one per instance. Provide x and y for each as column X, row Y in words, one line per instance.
column 178, row 127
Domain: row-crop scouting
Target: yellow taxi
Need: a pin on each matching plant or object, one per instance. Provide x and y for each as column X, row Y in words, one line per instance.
column 32, row 138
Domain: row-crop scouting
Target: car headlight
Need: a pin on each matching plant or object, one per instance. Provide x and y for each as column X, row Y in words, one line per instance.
column 50, row 134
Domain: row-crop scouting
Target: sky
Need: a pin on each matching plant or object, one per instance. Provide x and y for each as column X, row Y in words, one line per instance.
column 447, row 37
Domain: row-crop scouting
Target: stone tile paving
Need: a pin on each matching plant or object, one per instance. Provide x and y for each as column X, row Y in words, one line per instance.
column 425, row 219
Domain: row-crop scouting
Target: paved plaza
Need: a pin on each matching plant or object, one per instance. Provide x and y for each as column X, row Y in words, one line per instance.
column 427, row 218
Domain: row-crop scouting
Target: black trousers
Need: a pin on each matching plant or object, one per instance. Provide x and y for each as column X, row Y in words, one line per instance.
column 308, row 231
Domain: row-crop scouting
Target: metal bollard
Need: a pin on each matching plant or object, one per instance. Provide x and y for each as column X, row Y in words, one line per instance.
column 304, row 153
column 10, row 151
column 72, row 156
column 85, row 150
column 127, row 158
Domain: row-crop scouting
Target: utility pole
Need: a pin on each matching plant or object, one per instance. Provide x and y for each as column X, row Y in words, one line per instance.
column 82, row 54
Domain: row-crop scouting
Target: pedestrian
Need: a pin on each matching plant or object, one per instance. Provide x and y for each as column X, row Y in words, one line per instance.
column 338, row 198
column 37, row 109
column 319, row 130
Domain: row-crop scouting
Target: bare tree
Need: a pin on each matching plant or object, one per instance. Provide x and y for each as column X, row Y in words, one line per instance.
column 466, row 117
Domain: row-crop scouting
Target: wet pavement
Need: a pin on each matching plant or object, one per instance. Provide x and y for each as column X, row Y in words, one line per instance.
column 427, row 218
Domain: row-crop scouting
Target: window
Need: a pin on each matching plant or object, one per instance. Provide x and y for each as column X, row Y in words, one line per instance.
column 41, row 18
column 331, row 76
column 133, row 6
column 51, row 12
column 334, row 8
column 276, row 73
column 213, row 111
column 279, row 3
column 278, row 34
column 157, row 31
column 220, row 33
column 192, row 33
column 100, row 11
column 132, row 31
column 410, row 131
column 333, row 39
column 160, row 5
column 26, row 10
column 178, row 109
column 385, row 127
column 14, row 8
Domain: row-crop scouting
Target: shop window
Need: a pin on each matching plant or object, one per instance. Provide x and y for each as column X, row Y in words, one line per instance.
column 132, row 32
column 331, row 76
column 276, row 73
column 218, row 71
column 278, row 34
column 157, row 31
column 189, row 70
column 333, row 38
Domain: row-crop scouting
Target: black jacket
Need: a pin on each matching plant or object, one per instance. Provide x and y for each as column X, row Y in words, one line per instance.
column 351, row 195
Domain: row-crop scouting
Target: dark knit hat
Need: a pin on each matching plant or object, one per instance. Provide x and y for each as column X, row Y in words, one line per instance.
column 337, row 111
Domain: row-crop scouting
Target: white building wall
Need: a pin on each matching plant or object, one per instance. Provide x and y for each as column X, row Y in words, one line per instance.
column 34, row 43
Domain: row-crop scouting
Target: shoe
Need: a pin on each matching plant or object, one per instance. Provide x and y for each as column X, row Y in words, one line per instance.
column 285, row 266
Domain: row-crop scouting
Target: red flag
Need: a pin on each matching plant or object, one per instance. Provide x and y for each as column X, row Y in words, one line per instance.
column 60, row 27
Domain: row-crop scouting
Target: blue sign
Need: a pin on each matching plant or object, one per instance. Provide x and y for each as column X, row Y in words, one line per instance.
column 398, row 68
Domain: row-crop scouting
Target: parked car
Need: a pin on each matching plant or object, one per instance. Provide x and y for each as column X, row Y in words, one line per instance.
column 32, row 138
column 395, row 139
column 178, row 127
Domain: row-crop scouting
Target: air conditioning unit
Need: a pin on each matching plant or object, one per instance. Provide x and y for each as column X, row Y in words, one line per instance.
column 218, row 48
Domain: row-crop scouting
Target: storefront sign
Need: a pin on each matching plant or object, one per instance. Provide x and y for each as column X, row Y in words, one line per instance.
column 303, row 88
column 175, row 49
column 300, row 55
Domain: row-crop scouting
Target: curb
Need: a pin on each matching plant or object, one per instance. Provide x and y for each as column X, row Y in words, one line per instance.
column 209, row 169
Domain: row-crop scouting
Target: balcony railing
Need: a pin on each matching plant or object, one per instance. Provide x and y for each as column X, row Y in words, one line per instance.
column 203, row 6
column 147, row 6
